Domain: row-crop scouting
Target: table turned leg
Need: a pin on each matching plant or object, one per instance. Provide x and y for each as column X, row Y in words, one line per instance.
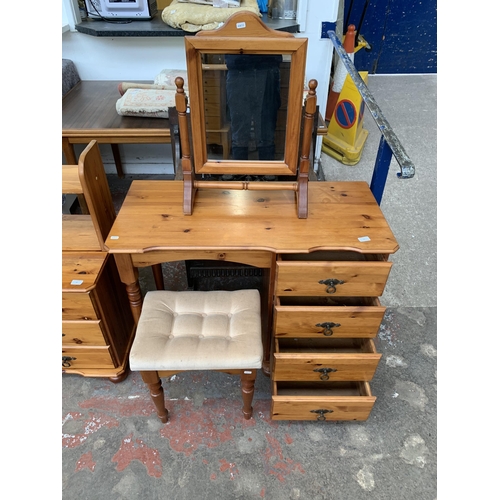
column 130, row 277
column 118, row 160
column 247, row 389
column 153, row 382
column 69, row 152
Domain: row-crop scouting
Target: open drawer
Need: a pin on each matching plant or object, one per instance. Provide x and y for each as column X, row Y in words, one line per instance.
column 327, row 401
column 358, row 317
column 322, row 360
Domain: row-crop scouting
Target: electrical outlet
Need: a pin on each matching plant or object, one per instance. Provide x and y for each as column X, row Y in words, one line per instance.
column 327, row 26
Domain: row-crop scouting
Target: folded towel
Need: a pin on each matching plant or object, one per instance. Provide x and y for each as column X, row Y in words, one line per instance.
column 151, row 103
column 192, row 18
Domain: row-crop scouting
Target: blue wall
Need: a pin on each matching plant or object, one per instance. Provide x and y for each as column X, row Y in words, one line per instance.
column 402, row 34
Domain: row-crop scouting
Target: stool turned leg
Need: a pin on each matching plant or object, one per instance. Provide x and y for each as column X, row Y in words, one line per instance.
column 247, row 389
column 156, row 390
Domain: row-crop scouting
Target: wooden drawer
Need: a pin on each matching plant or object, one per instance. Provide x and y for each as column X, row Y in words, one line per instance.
column 77, row 306
column 321, row 360
column 214, row 138
column 361, row 276
column 327, row 401
column 356, row 317
column 87, row 357
column 215, row 122
column 87, row 333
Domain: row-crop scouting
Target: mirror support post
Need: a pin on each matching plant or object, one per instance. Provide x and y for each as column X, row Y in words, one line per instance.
column 186, row 164
column 305, row 163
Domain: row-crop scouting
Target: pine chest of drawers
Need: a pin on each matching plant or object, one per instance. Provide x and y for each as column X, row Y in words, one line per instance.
column 97, row 324
column 326, row 314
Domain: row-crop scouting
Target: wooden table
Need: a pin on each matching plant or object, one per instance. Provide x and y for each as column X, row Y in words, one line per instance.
column 258, row 228
column 89, row 112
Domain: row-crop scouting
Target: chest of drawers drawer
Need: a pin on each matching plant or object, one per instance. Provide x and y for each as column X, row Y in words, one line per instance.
column 320, row 360
column 355, row 317
column 85, row 333
column 77, row 306
column 327, row 401
column 87, row 357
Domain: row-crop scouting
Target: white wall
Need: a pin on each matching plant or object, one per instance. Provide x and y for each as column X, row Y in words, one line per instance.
column 142, row 58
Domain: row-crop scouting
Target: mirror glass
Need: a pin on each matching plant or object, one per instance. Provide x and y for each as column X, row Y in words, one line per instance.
column 245, row 101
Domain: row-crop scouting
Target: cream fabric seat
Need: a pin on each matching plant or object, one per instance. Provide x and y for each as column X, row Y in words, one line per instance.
column 192, row 330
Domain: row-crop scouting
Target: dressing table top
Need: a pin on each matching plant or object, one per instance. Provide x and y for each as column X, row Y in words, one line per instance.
column 342, row 215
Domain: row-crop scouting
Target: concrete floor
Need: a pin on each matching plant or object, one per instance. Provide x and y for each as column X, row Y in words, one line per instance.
column 114, row 447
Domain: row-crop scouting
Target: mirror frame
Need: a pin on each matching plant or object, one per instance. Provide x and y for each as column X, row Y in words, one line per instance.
column 245, row 33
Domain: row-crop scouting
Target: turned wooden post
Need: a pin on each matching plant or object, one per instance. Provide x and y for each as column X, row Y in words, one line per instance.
column 186, row 164
column 153, row 382
column 247, row 389
column 304, row 166
column 130, row 277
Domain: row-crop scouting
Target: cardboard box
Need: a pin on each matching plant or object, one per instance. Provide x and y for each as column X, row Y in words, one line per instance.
column 162, row 4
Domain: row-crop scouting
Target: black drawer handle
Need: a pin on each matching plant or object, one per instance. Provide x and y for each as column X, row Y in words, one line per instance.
column 324, row 372
column 331, row 284
column 327, row 328
column 66, row 361
column 321, row 414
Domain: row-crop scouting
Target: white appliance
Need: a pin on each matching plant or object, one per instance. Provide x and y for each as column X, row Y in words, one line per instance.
column 121, row 9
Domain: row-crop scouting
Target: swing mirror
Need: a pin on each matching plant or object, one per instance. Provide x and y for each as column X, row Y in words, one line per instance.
column 246, row 88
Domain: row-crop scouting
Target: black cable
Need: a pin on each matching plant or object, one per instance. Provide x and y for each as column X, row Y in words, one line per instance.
column 361, row 22
column 107, row 19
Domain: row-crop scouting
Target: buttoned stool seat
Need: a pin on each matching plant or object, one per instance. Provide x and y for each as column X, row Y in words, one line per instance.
column 194, row 330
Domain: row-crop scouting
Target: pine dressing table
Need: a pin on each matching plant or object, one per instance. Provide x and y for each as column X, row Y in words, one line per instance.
column 323, row 277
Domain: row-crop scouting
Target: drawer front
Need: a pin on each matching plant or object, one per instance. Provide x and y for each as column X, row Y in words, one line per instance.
column 338, row 401
column 214, row 122
column 83, row 333
column 321, row 361
column 97, row 357
column 328, row 321
column 347, row 279
column 214, row 138
column 77, row 306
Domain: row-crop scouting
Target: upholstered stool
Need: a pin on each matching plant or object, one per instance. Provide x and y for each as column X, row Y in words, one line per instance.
column 181, row 331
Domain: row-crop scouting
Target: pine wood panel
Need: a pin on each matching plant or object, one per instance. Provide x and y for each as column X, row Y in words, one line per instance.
column 96, row 190
column 152, row 218
column 362, row 321
column 351, row 360
column 85, row 333
column 360, row 279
